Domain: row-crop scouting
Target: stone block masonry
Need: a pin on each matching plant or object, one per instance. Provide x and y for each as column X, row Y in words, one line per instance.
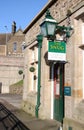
column 9, row 67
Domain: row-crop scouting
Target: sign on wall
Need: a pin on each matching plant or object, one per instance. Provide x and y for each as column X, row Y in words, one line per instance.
column 67, row 91
column 57, row 50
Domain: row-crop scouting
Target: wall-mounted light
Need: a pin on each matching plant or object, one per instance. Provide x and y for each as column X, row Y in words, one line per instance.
column 49, row 27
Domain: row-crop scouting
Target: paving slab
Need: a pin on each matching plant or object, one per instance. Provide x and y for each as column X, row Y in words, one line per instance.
column 13, row 103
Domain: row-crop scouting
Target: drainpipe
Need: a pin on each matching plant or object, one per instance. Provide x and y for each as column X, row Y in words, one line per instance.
column 39, row 39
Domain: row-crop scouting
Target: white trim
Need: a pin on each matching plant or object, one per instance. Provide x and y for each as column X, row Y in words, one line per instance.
column 50, row 20
column 60, row 128
column 32, row 86
column 52, row 91
column 56, row 56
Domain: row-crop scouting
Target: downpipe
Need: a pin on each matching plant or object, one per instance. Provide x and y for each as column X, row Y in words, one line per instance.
column 39, row 39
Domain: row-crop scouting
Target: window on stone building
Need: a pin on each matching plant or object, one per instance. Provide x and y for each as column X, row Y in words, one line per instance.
column 33, row 55
column 81, row 18
column 36, row 54
column 80, row 41
column 34, row 63
column 14, row 46
column 23, row 46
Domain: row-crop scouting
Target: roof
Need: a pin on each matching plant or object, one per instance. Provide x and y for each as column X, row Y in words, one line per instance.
column 48, row 5
column 4, row 37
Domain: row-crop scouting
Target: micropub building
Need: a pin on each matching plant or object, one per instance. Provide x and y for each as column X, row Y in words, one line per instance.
column 54, row 66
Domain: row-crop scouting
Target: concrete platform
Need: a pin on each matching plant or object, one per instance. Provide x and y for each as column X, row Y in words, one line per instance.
column 13, row 103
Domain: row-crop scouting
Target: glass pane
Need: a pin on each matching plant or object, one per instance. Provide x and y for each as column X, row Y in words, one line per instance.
column 14, row 46
column 43, row 30
column 22, row 47
column 51, row 29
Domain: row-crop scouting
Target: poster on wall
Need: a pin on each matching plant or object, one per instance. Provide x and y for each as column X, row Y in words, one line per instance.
column 57, row 50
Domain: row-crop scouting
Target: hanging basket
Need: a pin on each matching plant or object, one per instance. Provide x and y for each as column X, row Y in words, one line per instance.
column 31, row 69
column 20, row 72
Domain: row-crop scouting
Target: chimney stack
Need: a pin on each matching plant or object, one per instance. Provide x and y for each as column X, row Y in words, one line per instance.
column 13, row 27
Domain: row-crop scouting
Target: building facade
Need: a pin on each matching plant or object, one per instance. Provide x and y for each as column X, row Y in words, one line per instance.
column 62, row 84
column 11, row 58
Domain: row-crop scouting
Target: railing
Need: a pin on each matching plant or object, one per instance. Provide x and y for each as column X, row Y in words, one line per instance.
column 9, row 120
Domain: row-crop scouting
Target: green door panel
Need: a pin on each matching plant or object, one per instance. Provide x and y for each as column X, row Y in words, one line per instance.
column 59, row 98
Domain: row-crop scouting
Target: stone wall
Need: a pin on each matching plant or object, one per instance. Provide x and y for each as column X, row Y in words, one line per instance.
column 58, row 11
column 16, row 88
column 19, row 39
column 71, row 124
column 2, row 50
column 9, row 67
column 73, row 68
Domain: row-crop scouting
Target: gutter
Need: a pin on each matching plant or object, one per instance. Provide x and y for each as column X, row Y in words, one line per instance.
column 47, row 6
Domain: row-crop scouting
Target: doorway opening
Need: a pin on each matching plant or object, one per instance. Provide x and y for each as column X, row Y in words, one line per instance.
column 59, row 91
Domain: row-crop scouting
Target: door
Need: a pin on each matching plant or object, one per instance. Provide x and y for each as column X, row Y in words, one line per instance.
column 58, row 91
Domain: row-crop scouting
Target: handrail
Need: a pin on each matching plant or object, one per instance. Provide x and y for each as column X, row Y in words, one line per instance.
column 9, row 120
